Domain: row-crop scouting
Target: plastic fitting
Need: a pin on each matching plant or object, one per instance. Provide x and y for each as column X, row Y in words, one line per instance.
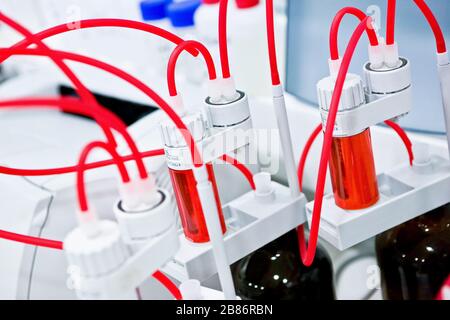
column 226, row 113
column 388, row 80
column 139, row 194
column 144, row 223
column 264, row 190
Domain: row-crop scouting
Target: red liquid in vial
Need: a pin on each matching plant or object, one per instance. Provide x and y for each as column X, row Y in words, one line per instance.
column 189, row 205
column 352, row 171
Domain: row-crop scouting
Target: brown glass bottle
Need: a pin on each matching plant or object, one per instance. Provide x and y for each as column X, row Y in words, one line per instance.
column 275, row 272
column 414, row 258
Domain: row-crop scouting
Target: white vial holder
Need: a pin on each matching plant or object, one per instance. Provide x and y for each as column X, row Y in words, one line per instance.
column 252, row 223
column 388, row 95
column 405, row 193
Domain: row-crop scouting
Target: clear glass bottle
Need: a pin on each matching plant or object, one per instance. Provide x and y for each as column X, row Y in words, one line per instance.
column 352, row 171
column 183, row 179
column 275, row 272
column 414, row 258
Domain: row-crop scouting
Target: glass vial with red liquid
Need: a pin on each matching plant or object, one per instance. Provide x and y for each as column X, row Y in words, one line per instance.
column 352, row 166
column 183, row 180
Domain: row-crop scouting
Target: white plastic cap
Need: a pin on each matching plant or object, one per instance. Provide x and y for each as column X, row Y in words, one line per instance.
column 172, row 136
column 391, row 56
column 146, row 222
column 263, row 184
column 376, row 56
column 176, row 102
column 334, row 66
column 352, row 95
column 99, row 255
column 191, row 290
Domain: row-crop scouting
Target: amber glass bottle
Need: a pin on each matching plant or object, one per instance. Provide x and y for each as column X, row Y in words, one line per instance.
column 275, row 272
column 414, row 258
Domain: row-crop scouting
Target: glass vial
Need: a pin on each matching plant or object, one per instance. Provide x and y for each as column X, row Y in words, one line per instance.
column 183, row 179
column 352, row 170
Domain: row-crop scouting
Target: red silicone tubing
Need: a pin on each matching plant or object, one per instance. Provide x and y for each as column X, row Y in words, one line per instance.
column 334, row 48
column 223, row 41
column 126, row 77
column 171, row 83
column 308, row 253
column 81, row 188
column 242, row 168
column 390, row 24
column 70, row 169
column 168, row 284
column 83, row 92
column 270, row 23
column 434, row 24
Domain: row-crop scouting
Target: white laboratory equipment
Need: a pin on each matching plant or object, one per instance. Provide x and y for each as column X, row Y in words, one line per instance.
column 220, row 190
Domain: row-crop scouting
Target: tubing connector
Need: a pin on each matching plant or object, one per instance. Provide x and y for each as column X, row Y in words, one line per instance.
column 139, row 194
column 376, row 56
column 142, row 224
column 228, row 113
column 177, row 103
column 264, row 190
column 391, row 56
column 334, row 66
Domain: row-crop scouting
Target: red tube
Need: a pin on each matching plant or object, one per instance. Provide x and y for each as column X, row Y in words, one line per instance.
column 334, row 48
column 82, row 91
column 81, row 188
column 304, row 157
column 404, row 136
column 171, row 83
column 223, row 41
column 168, row 284
column 40, row 242
column 270, row 21
column 390, row 24
column 308, row 254
column 434, row 24
column 71, row 169
column 126, row 77
column 242, row 168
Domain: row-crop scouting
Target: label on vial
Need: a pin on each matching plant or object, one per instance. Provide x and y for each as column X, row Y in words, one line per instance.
column 178, row 158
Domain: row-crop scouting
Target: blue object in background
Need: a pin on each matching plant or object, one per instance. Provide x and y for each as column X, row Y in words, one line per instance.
column 152, row 10
column 308, row 51
column 181, row 13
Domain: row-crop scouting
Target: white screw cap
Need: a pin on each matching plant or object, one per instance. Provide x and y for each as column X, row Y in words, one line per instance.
column 352, row 95
column 191, row 290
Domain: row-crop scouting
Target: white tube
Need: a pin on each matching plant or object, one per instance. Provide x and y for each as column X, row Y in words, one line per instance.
column 444, row 78
column 279, row 104
column 209, row 206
